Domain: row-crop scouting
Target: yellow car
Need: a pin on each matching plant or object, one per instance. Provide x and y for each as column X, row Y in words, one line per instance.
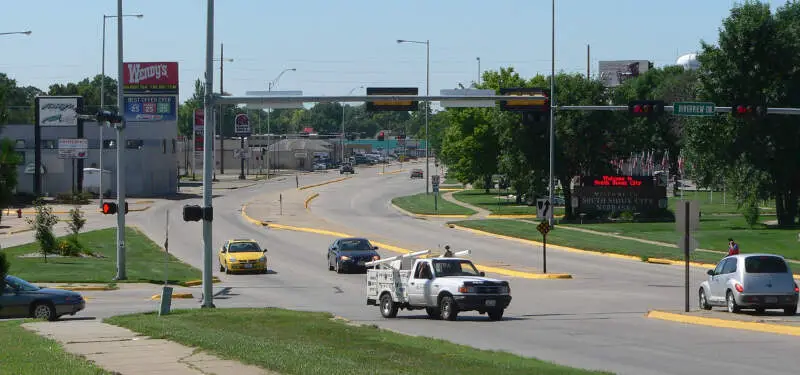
column 242, row 255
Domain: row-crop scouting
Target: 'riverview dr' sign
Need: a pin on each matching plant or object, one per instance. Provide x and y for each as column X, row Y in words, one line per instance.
column 694, row 109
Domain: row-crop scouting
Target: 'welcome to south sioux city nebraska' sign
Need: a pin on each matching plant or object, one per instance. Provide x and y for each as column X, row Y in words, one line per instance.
column 150, row 77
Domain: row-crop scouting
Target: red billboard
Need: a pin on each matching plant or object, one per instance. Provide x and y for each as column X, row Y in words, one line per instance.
column 150, row 77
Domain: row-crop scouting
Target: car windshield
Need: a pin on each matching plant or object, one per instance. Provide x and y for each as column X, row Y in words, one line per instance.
column 21, row 285
column 354, row 245
column 244, row 247
column 765, row 264
column 455, row 267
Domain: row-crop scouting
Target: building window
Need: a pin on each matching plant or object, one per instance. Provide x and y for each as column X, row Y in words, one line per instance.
column 135, row 144
column 49, row 144
column 20, row 144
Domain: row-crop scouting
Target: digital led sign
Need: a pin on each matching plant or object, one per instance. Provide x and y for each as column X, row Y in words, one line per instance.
column 618, row 181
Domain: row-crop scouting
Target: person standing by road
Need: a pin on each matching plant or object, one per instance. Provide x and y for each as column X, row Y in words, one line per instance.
column 733, row 247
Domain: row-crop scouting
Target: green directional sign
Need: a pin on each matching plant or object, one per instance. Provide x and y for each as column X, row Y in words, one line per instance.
column 694, row 109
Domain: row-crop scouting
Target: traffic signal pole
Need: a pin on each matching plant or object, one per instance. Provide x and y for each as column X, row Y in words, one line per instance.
column 208, row 166
column 121, row 270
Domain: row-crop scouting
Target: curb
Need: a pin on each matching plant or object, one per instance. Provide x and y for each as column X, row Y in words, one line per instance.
column 422, row 216
column 725, row 323
column 324, row 183
column 84, row 288
column 500, row 271
column 235, row 187
column 521, row 216
column 214, row 280
column 392, row 172
column 309, row 199
column 16, row 231
column 450, row 189
column 156, row 297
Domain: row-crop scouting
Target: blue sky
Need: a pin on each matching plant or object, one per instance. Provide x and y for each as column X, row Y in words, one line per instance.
column 339, row 45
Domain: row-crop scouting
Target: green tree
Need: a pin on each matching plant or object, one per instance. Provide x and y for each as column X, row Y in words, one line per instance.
column 755, row 63
column 43, row 223
column 470, row 147
column 89, row 89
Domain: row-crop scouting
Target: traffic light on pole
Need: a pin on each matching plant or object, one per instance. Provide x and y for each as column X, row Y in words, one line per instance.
column 381, row 136
column 108, row 116
column 111, row 208
column 646, row 108
column 747, row 111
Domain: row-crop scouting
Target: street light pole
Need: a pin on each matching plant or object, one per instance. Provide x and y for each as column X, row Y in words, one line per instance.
column 121, row 272
column 17, row 32
column 479, row 69
column 552, row 112
column 270, row 84
column 427, row 44
column 221, row 60
column 208, row 135
column 103, row 96
column 349, row 93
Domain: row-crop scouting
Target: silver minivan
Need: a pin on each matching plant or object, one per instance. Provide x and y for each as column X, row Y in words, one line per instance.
column 750, row 281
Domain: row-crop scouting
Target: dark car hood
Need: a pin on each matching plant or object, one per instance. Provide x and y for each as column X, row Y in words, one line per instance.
column 358, row 253
column 54, row 292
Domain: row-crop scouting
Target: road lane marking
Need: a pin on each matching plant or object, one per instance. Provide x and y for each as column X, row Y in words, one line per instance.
column 324, row 183
column 309, row 199
column 725, row 323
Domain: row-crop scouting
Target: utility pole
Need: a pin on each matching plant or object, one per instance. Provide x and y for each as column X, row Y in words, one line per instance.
column 221, row 113
column 121, row 272
column 552, row 112
column 208, row 133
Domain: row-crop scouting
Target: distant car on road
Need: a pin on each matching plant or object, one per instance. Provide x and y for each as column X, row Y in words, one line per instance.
column 21, row 299
column 750, row 281
column 347, row 254
column 417, row 173
column 242, row 255
column 346, row 168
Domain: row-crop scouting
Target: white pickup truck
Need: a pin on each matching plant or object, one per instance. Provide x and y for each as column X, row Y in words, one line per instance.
column 443, row 286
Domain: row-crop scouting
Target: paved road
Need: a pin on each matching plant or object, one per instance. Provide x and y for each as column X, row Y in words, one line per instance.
column 593, row 321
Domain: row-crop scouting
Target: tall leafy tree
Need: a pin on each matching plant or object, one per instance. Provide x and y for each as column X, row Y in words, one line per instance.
column 755, row 63
column 9, row 160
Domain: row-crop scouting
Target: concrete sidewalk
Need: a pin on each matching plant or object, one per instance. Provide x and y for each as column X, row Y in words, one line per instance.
column 122, row 351
column 481, row 213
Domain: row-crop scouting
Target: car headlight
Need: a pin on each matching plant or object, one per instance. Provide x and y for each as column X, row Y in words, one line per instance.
column 467, row 289
column 344, row 257
column 262, row 259
column 232, row 260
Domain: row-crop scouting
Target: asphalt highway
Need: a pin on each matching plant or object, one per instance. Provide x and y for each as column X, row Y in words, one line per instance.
column 596, row 320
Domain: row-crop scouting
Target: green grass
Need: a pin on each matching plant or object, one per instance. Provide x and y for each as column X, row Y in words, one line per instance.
column 586, row 241
column 145, row 261
column 295, row 342
column 713, row 234
column 423, row 204
column 718, row 203
column 451, row 181
column 497, row 205
column 25, row 352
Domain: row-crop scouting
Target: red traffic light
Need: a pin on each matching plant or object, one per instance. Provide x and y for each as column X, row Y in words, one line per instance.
column 749, row 111
column 109, row 208
column 642, row 108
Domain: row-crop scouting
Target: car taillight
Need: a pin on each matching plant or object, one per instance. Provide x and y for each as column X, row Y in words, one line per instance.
column 739, row 288
column 796, row 290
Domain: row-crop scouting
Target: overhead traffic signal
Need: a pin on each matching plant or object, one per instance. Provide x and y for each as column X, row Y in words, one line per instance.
column 646, row 108
column 111, row 208
column 381, row 136
column 108, row 116
column 748, row 111
column 539, row 101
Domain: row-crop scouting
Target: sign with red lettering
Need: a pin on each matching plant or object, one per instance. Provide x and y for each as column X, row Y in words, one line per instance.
column 150, row 77
column 618, row 181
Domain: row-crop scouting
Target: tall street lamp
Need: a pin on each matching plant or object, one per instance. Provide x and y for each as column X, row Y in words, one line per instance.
column 271, row 84
column 479, row 69
column 552, row 111
column 222, row 61
column 102, row 95
column 348, row 94
column 427, row 44
column 17, row 32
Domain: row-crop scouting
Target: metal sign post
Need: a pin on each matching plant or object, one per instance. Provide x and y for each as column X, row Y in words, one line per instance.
column 687, row 220
column 242, row 129
column 544, row 228
column 435, row 187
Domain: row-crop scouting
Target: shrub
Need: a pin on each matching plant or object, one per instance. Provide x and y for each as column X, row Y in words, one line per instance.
column 43, row 224
column 626, row 216
column 69, row 247
column 76, row 198
column 76, row 221
column 751, row 214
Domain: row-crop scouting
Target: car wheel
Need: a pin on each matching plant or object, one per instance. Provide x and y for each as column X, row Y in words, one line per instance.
column 447, row 308
column 731, row 302
column 496, row 314
column 44, row 310
column 330, row 266
column 227, row 270
column 433, row 312
column 790, row 311
column 221, row 268
column 338, row 267
column 703, row 300
column 388, row 307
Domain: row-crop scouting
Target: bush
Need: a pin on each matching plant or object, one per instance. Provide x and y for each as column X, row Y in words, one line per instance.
column 70, row 198
column 751, row 214
column 626, row 216
column 76, row 221
column 4, row 267
column 43, row 224
column 69, row 247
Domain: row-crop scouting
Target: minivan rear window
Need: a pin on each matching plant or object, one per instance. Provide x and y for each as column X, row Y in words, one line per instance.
column 765, row 264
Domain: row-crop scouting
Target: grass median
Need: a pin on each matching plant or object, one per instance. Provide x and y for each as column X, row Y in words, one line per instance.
column 497, row 202
column 145, row 261
column 295, row 342
column 585, row 241
column 25, row 352
column 423, row 204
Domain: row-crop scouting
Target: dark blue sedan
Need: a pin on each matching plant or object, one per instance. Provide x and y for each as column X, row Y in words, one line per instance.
column 347, row 254
column 21, row 299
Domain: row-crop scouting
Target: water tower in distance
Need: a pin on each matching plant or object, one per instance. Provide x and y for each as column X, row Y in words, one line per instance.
column 688, row 61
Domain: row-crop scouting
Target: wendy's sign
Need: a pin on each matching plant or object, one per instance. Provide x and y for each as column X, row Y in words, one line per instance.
column 150, row 78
